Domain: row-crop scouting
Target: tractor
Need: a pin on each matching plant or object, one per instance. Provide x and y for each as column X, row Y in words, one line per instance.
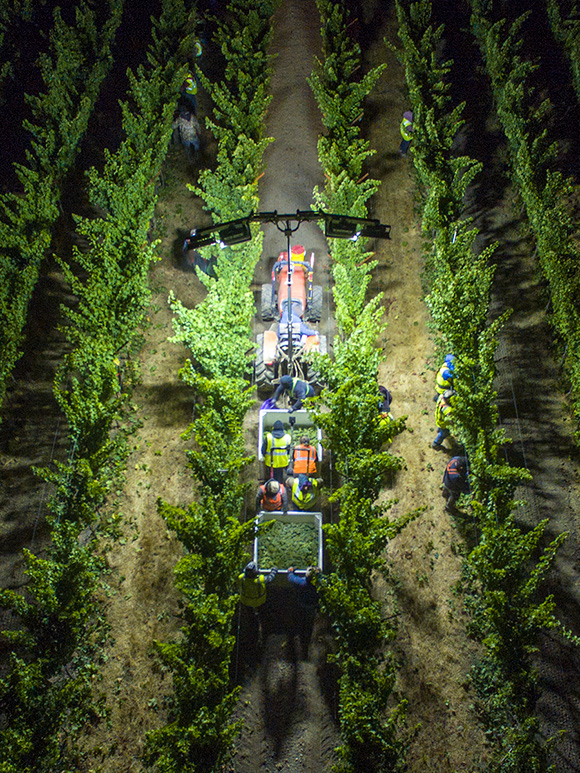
column 290, row 300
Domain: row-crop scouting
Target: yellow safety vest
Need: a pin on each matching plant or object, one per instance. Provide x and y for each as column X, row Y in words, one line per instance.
column 281, row 446
column 442, row 384
column 252, row 590
column 304, row 499
column 191, row 85
column 405, row 124
column 442, row 411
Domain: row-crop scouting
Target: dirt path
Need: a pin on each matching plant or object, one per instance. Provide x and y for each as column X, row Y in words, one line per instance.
column 288, row 724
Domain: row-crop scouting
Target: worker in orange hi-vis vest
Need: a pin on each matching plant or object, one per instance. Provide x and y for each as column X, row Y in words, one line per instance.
column 303, row 458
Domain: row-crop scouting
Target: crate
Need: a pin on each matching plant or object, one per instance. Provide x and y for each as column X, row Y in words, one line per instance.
column 296, row 518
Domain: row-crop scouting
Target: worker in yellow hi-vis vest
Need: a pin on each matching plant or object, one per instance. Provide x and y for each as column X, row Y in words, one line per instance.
column 406, row 132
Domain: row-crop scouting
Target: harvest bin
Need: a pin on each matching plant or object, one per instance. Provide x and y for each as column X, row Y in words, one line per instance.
column 294, row 540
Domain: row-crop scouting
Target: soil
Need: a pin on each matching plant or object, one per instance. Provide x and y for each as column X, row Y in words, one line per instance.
column 288, row 701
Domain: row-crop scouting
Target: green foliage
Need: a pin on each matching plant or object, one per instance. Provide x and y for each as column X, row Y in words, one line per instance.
column 506, row 603
column 217, row 332
column 47, row 693
column 444, row 176
column 347, row 411
column 79, row 59
column 370, row 725
column 566, row 29
column 200, row 731
column 544, row 191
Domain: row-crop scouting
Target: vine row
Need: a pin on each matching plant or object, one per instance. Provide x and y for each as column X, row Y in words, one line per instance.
column 372, row 716
column 79, row 60
column 48, row 692
column 545, row 192
column 508, row 610
column 200, row 731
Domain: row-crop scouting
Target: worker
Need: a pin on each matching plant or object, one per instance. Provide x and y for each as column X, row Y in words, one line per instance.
column 187, row 130
column 252, row 585
column 188, row 91
column 443, row 409
column 385, row 400
column 276, row 451
column 303, row 458
column 193, row 259
column 455, row 481
column 406, row 132
column 307, row 598
column 445, row 376
column 304, row 491
column 298, row 325
column 272, row 497
column 296, row 388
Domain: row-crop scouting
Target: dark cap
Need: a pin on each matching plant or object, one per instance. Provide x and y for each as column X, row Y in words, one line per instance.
column 250, row 570
column 278, row 425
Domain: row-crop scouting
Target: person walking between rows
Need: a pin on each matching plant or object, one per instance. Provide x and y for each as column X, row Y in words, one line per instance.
column 445, row 376
column 187, row 130
column 406, row 129
column 303, row 458
column 188, row 92
column 272, row 497
column 443, row 410
column 384, row 406
column 297, row 389
column 276, row 451
column 455, row 481
column 304, row 492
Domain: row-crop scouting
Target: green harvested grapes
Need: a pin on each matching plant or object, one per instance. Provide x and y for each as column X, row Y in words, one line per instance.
column 300, row 432
column 288, row 544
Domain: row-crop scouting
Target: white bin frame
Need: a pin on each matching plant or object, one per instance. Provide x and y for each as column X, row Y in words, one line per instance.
column 293, row 516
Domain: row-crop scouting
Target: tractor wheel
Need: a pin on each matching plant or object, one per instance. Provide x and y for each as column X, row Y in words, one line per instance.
column 313, row 374
column 262, row 376
column 313, row 311
column 266, row 303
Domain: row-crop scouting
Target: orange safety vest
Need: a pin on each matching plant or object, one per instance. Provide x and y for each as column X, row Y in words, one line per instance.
column 304, row 460
column 269, row 504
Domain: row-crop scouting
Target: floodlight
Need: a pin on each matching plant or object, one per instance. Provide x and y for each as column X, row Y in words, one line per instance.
column 200, row 238
column 376, row 231
column 341, row 227
column 235, row 232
